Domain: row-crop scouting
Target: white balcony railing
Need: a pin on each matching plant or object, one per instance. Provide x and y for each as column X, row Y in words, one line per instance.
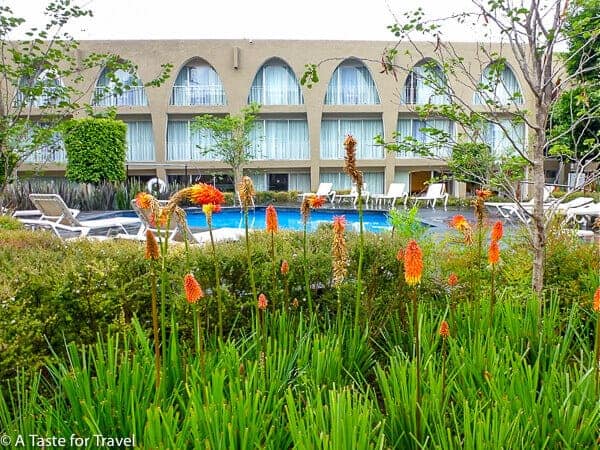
column 198, row 95
column 274, row 95
column 135, row 96
column 47, row 155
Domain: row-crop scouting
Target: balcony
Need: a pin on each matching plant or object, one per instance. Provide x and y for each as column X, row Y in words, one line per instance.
column 135, row 96
column 198, row 95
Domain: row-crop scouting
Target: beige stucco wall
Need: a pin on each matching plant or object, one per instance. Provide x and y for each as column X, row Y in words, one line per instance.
column 149, row 55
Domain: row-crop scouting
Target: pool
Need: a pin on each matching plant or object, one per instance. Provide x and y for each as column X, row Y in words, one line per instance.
column 289, row 218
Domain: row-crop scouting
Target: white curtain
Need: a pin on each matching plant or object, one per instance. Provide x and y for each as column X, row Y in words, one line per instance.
column 259, row 180
column 413, row 128
column 503, row 87
column 280, row 140
column 423, row 86
column 340, row 180
column 501, row 140
column 299, row 182
column 198, row 85
column 401, row 176
column 183, row 142
column 351, row 85
column 276, row 84
column 333, row 133
column 140, row 141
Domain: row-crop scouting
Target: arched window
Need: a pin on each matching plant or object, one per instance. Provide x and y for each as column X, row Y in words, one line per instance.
column 275, row 84
column 121, row 89
column 351, row 84
column 198, row 84
column 45, row 89
column 498, row 84
column 425, row 84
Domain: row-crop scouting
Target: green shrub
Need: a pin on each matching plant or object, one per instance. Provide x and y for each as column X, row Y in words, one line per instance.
column 9, row 223
column 96, row 150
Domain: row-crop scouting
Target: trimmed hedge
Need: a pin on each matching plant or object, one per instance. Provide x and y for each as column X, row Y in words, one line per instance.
column 96, row 150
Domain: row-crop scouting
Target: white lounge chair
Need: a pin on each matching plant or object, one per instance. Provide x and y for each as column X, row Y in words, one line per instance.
column 505, row 208
column 56, row 215
column 434, row 192
column 583, row 215
column 395, row 191
column 523, row 212
column 353, row 195
column 325, row 190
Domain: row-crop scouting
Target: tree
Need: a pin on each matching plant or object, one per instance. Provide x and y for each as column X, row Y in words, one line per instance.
column 42, row 83
column 230, row 138
column 580, row 104
column 529, row 33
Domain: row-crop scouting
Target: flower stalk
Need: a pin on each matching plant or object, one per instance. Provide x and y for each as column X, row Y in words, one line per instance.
column 356, row 175
column 246, row 189
column 413, row 271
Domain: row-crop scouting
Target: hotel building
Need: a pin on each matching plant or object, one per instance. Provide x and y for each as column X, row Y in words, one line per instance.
column 299, row 135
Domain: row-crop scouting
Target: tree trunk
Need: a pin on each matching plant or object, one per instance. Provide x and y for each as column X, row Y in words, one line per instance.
column 538, row 232
column 237, row 178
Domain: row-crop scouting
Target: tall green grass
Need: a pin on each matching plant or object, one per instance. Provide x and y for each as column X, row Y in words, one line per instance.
column 513, row 383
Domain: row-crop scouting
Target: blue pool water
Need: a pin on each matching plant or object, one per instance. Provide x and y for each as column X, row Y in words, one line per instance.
column 289, row 218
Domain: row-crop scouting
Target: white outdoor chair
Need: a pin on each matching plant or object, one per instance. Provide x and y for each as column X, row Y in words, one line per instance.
column 434, row 192
column 353, row 195
column 325, row 190
column 395, row 191
column 507, row 209
column 56, row 215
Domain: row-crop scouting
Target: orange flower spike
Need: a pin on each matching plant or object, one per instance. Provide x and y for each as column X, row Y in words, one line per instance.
column 452, row 280
column 400, row 255
column 285, row 268
column 143, row 200
column 339, row 224
column 497, row 231
column 596, row 304
column 192, row 288
column 444, row 330
column 413, row 263
column 317, row 201
column 494, row 252
column 163, row 217
column 271, row 219
column 483, row 194
column 152, row 251
column 203, row 194
column 459, row 222
column 262, row 302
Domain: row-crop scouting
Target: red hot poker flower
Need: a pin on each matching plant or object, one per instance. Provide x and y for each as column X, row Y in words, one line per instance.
column 497, row 231
column 596, row 305
column 143, row 200
column 192, row 288
column 339, row 224
column 262, row 302
column 452, row 280
column 285, row 267
column 413, row 263
column 444, row 329
column 317, row 201
column 203, row 194
column 494, row 253
column 271, row 219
